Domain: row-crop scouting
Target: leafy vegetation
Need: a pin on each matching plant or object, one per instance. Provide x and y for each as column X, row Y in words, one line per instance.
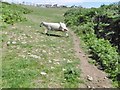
column 99, row 28
column 105, row 21
column 12, row 13
column 71, row 75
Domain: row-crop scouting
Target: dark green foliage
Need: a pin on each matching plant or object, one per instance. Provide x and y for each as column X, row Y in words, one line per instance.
column 106, row 21
column 12, row 13
column 71, row 75
column 99, row 28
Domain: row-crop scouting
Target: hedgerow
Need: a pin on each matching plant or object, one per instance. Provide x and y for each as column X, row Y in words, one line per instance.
column 98, row 28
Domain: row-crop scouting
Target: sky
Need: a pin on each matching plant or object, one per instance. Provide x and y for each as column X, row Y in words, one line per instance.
column 83, row 3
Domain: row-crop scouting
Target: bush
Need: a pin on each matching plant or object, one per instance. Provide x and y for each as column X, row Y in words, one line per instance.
column 95, row 35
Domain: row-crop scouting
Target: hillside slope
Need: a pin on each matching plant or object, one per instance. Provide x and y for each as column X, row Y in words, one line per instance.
column 33, row 59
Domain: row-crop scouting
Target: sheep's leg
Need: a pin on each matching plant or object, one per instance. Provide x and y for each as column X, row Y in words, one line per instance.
column 46, row 31
column 49, row 28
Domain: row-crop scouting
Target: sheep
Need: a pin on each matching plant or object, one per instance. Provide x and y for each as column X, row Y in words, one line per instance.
column 55, row 26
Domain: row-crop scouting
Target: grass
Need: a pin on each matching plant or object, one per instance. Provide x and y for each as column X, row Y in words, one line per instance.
column 18, row 71
column 32, row 59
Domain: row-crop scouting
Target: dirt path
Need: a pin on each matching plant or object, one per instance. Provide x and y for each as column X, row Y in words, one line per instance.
column 93, row 77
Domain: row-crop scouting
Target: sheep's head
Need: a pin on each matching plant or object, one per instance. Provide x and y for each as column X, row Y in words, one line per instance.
column 41, row 24
column 63, row 27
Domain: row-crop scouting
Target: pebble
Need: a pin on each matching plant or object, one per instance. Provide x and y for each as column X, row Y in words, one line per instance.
column 52, row 67
column 105, row 78
column 13, row 42
column 29, row 53
column 101, row 68
column 88, row 86
column 57, row 63
column 35, row 56
column 105, row 87
column 83, row 55
column 43, row 51
column 89, row 78
column 8, row 42
column 98, row 86
column 69, row 61
column 43, row 73
column 91, row 88
column 23, row 42
column 6, row 33
column 50, row 61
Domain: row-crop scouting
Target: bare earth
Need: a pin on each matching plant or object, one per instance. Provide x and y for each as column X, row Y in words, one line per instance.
column 92, row 77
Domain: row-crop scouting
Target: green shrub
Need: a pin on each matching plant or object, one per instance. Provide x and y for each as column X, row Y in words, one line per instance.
column 95, row 35
column 71, row 75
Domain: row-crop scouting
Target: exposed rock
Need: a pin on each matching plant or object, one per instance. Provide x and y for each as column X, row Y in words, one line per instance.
column 89, row 78
column 88, row 86
column 100, row 68
column 105, row 78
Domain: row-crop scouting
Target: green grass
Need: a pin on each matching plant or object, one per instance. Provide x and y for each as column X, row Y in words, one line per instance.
column 18, row 71
column 34, row 53
column 47, row 14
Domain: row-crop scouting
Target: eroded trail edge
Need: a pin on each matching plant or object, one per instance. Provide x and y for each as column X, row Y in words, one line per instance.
column 92, row 77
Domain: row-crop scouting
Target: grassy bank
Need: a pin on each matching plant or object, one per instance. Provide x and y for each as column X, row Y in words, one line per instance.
column 32, row 59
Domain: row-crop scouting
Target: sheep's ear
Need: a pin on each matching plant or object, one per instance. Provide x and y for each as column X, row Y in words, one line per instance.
column 61, row 23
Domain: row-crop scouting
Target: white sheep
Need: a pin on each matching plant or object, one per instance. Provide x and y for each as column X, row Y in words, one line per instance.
column 55, row 26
